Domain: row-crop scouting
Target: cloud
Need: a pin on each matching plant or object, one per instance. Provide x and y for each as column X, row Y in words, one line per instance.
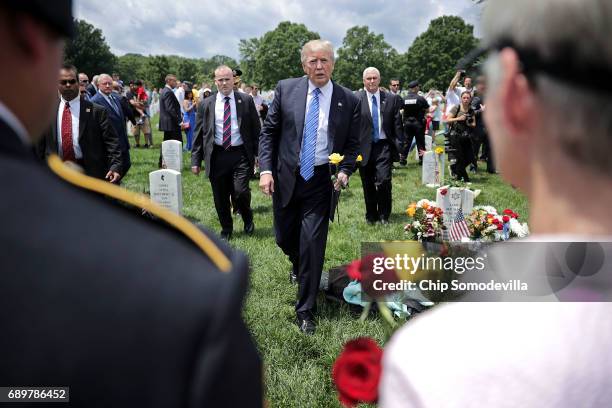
column 207, row 28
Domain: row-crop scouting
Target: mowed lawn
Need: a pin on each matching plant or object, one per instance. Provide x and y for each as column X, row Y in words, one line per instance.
column 298, row 367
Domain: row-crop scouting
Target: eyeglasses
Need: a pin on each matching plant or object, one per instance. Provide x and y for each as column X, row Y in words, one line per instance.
column 67, row 82
column 84, row 81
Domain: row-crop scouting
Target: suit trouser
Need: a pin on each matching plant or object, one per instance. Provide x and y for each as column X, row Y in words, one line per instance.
column 170, row 135
column 414, row 130
column 376, row 182
column 230, row 173
column 301, row 232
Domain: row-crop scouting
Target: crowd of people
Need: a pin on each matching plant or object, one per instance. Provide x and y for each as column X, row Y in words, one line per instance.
column 85, row 307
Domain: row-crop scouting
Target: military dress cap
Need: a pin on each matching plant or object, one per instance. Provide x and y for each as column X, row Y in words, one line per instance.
column 56, row 14
column 413, row 84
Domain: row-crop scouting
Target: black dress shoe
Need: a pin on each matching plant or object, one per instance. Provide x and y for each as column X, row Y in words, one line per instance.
column 371, row 222
column 226, row 235
column 249, row 228
column 306, row 326
column 384, row 221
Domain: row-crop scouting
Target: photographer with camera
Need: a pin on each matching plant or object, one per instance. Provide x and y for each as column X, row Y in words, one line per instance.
column 462, row 121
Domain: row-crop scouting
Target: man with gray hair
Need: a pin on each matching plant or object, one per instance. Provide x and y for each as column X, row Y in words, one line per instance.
column 310, row 118
column 544, row 83
column 380, row 132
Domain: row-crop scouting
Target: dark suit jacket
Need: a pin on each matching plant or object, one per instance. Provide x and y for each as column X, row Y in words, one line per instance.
column 117, row 119
column 281, row 137
column 204, row 136
column 91, row 90
column 136, row 330
column 391, row 124
column 97, row 138
column 170, row 117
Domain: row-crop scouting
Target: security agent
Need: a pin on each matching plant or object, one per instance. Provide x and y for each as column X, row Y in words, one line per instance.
column 121, row 328
column 414, row 110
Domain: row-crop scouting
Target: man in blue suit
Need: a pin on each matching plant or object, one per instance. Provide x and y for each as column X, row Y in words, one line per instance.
column 310, row 118
column 116, row 116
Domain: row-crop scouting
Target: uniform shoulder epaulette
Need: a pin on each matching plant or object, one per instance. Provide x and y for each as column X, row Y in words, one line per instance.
column 199, row 238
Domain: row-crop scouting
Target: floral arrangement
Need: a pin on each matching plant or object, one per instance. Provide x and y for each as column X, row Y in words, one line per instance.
column 426, row 222
column 485, row 224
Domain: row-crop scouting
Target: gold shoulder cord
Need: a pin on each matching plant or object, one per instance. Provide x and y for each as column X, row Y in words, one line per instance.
column 103, row 187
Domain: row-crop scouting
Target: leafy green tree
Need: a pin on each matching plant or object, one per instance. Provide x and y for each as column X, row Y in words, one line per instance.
column 131, row 66
column 433, row 56
column 187, row 70
column 278, row 53
column 88, row 51
column 157, row 68
column 361, row 49
column 247, row 49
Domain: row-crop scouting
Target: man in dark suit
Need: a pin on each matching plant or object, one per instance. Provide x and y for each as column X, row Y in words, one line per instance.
column 170, row 118
column 158, row 325
column 381, row 127
column 310, row 118
column 226, row 137
column 82, row 133
column 106, row 98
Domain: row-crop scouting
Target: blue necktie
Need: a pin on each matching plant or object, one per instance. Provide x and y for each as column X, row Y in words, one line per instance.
column 113, row 104
column 375, row 131
column 309, row 139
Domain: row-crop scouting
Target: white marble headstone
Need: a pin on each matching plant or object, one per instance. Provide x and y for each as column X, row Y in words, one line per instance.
column 455, row 198
column 433, row 169
column 167, row 189
column 172, row 154
column 428, row 142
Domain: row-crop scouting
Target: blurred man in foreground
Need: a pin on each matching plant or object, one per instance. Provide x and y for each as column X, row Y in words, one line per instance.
column 157, row 327
column 539, row 107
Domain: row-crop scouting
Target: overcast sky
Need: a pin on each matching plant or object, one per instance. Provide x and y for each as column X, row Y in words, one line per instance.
column 203, row 28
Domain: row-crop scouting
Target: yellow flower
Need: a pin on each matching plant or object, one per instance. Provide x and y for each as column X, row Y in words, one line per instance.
column 439, row 150
column 410, row 211
column 335, row 158
column 359, row 158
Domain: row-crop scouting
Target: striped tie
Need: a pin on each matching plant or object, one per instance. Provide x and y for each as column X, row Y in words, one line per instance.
column 309, row 140
column 375, row 124
column 227, row 124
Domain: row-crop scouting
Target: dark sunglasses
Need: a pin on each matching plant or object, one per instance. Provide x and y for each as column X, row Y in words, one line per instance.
column 84, row 81
column 68, row 81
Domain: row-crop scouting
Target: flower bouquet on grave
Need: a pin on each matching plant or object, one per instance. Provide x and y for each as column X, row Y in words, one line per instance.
column 426, row 222
column 485, row 224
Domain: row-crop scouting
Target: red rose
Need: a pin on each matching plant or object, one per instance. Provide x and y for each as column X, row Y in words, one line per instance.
column 508, row 211
column 444, row 191
column 356, row 372
column 495, row 221
column 515, row 215
column 500, row 227
column 353, row 270
column 506, row 218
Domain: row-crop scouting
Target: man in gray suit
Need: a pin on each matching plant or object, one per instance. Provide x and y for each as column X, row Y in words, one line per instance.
column 310, row 118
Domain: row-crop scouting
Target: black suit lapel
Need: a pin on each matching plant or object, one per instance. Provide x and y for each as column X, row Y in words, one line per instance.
column 52, row 142
column 365, row 107
column 338, row 103
column 239, row 107
column 84, row 115
column 299, row 103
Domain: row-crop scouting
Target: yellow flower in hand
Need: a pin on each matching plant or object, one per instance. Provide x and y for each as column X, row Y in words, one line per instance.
column 439, row 150
column 335, row 158
column 359, row 158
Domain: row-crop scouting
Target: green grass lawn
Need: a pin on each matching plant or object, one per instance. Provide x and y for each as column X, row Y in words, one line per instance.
column 298, row 367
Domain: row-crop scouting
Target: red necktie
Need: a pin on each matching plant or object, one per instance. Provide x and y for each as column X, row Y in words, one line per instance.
column 67, row 147
column 227, row 124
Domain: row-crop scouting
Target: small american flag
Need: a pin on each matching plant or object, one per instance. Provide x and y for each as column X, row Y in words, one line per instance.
column 459, row 228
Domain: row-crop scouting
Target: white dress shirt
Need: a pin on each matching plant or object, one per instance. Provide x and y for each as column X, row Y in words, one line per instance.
column 381, row 132
column 75, row 112
column 219, row 110
column 321, row 154
column 179, row 92
column 14, row 123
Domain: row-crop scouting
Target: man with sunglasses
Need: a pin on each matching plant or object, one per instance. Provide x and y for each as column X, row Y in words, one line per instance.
column 548, row 116
column 82, row 132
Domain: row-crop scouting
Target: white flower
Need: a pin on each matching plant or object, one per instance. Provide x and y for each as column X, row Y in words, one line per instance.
column 520, row 230
column 424, row 200
column 416, row 224
column 487, row 208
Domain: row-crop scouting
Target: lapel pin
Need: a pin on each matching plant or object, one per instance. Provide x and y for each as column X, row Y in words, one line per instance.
column 239, row 100
column 87, row 110
column 339, row 104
